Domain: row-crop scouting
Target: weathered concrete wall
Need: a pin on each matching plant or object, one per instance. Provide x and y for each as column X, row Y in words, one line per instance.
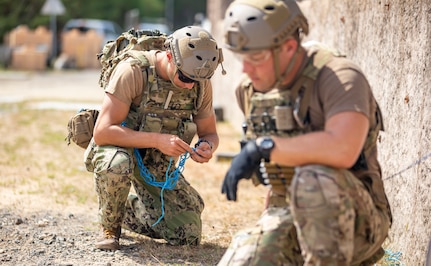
column 391, row 41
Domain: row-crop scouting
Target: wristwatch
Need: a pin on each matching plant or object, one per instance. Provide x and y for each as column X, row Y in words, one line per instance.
column 204, row 140
column 265, row 147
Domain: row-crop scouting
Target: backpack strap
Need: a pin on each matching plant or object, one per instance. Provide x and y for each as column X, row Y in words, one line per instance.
column 247, row 86
column 200, row 98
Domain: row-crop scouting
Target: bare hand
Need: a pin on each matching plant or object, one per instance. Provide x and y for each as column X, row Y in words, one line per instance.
column 202, row 153
column 173, row 145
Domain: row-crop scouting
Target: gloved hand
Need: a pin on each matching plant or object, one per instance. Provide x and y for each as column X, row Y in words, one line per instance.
column 243, row 166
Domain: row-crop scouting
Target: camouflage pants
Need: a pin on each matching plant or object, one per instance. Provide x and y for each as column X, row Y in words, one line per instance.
column 114, row 174
column 329, row 219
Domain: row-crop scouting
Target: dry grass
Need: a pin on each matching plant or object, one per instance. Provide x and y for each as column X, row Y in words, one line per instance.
column 39, row 171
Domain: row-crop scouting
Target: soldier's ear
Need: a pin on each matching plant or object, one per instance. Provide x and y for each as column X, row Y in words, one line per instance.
column 290, row 45
column 169, row 55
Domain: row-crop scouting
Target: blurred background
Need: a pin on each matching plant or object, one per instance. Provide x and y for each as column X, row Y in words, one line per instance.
column 40, row 34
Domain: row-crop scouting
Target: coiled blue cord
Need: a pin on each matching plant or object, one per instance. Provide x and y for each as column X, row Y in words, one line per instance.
column 393, row 258
column 171, row 178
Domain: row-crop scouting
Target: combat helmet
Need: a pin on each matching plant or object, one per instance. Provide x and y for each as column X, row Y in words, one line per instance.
column 195, row 52
column 251, row 25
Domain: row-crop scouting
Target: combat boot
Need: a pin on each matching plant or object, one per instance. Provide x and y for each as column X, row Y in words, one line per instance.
column 109, row 239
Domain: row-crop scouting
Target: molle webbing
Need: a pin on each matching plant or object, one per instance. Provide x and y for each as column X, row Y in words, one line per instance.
column 278, row 175
column 165, row 108
column 161, row 94
column 271, row 113
column 297, row 98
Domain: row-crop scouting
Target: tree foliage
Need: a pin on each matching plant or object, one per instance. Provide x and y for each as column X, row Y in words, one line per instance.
column 28, row 12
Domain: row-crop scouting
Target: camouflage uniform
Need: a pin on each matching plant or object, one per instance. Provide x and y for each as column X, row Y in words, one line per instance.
column 115, row 170
column 316, row 215
column 335, row 214
column 114, row 174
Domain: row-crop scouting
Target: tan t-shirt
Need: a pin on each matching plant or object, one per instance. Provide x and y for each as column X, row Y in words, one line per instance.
column 127, row 84
column 340, row 86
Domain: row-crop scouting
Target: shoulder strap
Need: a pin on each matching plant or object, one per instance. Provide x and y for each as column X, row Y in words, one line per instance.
column 200, row 92
column 247, row 89
column 302, row 89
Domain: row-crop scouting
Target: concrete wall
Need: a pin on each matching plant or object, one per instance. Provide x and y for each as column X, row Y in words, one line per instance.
column 391, row 41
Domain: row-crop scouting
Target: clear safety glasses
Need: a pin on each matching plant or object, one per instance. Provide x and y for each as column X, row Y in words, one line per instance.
column 255, row 58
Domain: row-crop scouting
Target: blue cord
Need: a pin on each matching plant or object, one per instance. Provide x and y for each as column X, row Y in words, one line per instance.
column 393, row 258
column 171, row 178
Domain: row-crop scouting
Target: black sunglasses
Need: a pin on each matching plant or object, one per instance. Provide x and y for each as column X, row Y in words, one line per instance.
column 184, row 78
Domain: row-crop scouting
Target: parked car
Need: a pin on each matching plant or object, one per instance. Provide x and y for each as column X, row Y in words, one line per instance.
column 84, row 55
column 109, row 30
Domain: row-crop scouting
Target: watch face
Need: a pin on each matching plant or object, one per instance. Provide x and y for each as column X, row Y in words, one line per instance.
column 267, row 144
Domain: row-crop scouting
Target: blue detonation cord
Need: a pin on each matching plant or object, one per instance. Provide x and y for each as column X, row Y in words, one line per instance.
column 392, row 258
column 171, row 178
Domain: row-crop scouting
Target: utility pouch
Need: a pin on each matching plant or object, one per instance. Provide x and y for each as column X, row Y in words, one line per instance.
column 190, row 130
column 152, row 124
column 80, row 127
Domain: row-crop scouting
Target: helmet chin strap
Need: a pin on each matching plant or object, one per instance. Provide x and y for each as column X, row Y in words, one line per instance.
column 279, row 77
column 171, row 74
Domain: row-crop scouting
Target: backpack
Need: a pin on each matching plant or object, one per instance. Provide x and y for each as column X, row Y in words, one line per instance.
column 130, row 44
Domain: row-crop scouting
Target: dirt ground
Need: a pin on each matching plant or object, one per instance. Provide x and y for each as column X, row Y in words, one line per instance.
column 48, row 211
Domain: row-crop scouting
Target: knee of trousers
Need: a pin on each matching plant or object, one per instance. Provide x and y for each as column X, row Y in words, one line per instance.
column 314, row 191
column 114, row 161
column 184, row 229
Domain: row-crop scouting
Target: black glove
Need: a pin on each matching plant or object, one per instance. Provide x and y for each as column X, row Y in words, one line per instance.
column 243, row 166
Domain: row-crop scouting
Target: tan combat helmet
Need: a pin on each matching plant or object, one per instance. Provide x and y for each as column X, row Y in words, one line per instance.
column 252, row 25
column 195, row 52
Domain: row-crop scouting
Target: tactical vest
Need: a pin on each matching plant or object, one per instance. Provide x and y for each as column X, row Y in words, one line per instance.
column 167, row 109
column 282, row 112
